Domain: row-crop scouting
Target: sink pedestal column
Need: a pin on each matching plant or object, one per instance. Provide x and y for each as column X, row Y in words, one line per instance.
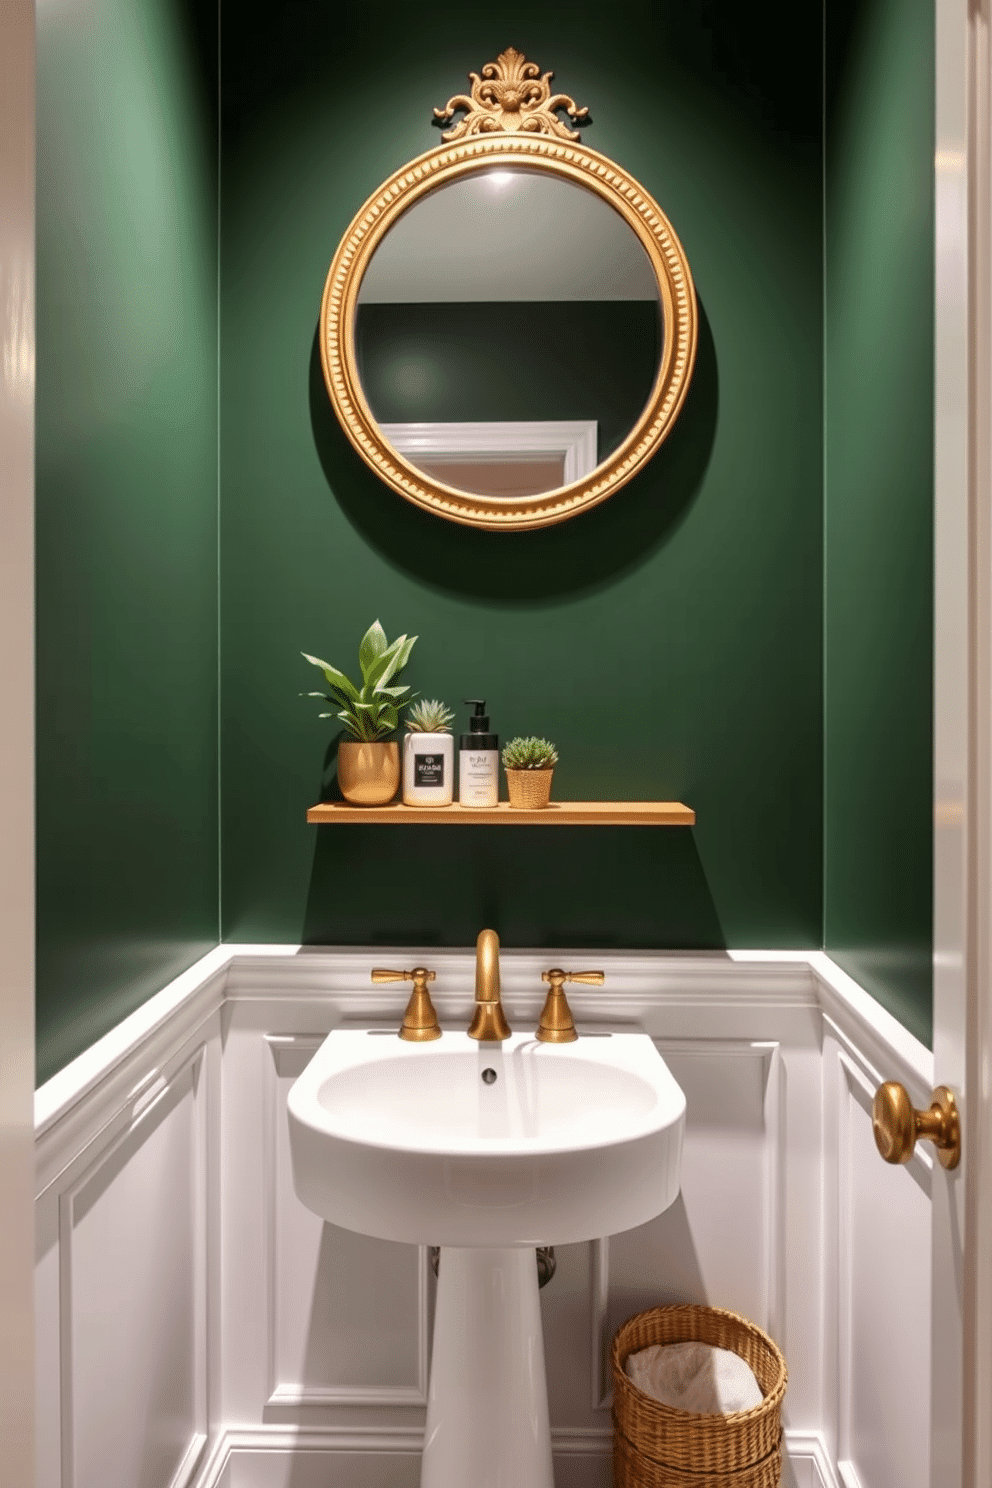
column 487, row 1409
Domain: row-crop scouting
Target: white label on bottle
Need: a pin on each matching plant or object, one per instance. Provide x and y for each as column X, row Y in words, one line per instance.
column 478, row 777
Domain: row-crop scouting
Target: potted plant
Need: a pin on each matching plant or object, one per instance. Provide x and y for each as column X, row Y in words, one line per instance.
column 368, row 762
column 428, row 755
column 529, row 764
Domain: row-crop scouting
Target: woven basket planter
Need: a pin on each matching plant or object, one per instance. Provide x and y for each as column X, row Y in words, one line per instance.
column 743, row 1449
column 530, row 789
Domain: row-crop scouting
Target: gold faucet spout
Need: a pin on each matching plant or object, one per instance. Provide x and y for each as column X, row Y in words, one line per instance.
column 489, row 1021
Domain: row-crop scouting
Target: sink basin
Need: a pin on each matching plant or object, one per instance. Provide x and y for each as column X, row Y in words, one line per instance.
column 462, row 1143
column 486, row 1149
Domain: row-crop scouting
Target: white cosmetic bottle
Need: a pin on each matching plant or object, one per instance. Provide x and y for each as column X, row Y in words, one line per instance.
column 428, row 769
column 478, row 760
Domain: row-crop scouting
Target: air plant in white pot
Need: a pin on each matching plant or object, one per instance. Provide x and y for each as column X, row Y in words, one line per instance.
column 428, row 755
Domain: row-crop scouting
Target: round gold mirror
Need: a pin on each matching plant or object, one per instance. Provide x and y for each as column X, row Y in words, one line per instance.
column 508, row 327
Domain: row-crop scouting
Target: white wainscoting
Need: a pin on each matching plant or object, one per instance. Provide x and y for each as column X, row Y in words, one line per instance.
column 199, row 1328
column 127, row 1243
column 878, row 1229
column 347, row 1316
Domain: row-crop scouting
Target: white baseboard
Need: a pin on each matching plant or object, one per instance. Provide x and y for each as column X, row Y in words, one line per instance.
column 806, row 1453
column 255, row 1449
column 810, row 1461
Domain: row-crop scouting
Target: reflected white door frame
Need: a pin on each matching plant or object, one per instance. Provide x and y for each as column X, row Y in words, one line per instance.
column 508, row 440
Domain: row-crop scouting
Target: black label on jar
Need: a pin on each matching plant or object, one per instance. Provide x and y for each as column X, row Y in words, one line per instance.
column 428, row 769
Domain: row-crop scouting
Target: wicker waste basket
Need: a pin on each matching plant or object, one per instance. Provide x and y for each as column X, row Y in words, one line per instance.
column 656, row 1446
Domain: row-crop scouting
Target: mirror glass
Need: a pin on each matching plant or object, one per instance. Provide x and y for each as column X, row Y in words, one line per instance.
column 508, row 333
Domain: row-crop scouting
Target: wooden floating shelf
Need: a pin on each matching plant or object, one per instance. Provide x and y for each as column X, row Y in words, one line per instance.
column 557, row 814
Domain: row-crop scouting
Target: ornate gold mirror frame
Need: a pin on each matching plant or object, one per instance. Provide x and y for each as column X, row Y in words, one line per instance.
column 511, row 120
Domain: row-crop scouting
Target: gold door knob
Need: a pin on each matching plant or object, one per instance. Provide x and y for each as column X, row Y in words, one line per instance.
column 556, row 1025
column 420, row 1023
column 898, row 1125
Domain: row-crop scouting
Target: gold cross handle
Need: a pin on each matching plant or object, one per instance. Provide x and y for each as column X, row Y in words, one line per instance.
column 420, row 1023
column 556, row 1025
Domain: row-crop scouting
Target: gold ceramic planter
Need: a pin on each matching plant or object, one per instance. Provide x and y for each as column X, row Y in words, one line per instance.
column 529, row 789
column 368, row 774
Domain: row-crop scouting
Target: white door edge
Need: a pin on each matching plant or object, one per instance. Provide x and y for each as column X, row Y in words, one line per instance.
column 961, row 1325
column 17, row 73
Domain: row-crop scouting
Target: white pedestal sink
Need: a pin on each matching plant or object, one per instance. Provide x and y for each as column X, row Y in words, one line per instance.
column 486, row 1150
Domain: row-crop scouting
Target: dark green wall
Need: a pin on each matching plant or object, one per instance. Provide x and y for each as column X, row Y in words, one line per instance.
column 127, row 509
column 879, row 500
column 671, row 640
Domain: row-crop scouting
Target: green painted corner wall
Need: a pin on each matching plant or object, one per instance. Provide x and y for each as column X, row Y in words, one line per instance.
column 673, row 642
column 878, row 534
column 669, row 641
column 126, row 510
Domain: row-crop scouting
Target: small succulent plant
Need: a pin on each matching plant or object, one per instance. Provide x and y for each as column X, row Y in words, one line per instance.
column 370, row 712
column 529, row 754
column 429, row 717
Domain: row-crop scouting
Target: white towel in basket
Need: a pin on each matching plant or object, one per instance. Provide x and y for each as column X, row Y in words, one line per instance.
column 695, row 1377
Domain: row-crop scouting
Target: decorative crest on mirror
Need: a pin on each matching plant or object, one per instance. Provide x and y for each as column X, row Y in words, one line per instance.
column 511, row 96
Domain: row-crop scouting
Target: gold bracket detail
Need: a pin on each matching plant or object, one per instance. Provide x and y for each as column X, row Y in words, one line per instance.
column 898, row 1125
column 420, row 1023
column 557, row 1025
column 512, row 96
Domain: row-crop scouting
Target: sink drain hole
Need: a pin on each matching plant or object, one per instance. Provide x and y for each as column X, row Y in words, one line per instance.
column 489, row 1076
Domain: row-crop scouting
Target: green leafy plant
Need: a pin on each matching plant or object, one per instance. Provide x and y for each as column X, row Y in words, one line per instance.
column 369, row 712
column 529, row 754
column 429, row 717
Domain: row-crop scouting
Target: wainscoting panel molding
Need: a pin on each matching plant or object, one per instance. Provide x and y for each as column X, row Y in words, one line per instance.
column 123, row 1277
column 731, row 1164
column 199, row 1328
column 347, row 1315
column 879, row 1231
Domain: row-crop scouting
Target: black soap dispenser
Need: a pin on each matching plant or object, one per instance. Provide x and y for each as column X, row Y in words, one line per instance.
column 478, row 760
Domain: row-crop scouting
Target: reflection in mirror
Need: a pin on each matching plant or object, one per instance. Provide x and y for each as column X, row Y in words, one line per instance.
column 508, row 333
column 505, row 459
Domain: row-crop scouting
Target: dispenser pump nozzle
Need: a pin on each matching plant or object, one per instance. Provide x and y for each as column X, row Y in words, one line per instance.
column 479, row 722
